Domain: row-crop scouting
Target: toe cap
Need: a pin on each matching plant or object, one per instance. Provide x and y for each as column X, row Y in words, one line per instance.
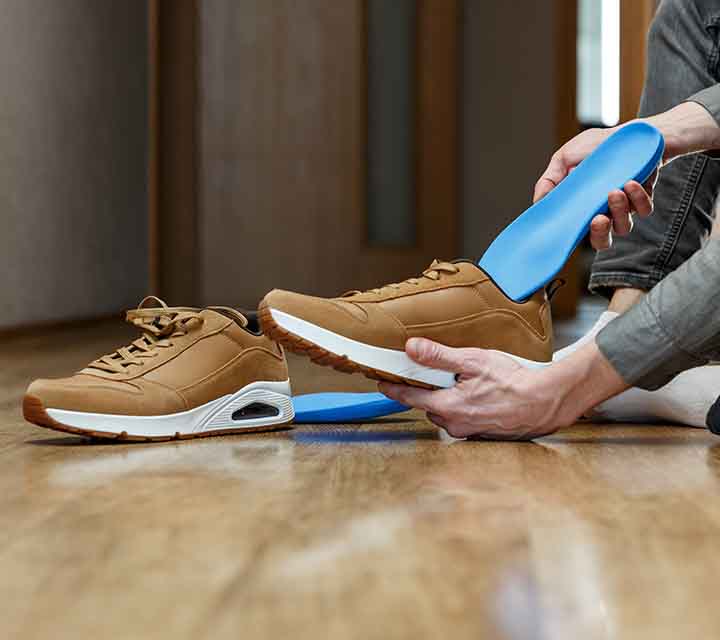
column 363, row 322
column 95, row 395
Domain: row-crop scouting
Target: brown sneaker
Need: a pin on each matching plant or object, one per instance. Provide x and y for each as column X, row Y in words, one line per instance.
column 192, row 373
column 454, row 303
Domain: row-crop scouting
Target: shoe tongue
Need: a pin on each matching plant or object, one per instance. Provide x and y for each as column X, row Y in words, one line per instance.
column 231, row 313
column 437, row 262
column 470, row 264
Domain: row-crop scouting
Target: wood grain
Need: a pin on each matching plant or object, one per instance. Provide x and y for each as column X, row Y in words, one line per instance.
column 565, row 302
column 283, row 148
column 438, row 127
column 153, row 146
column 175, row 188
column 635, row 18
column 384, row 530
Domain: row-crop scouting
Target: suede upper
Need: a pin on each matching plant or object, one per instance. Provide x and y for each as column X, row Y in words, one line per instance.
column 187, row 363
column 455, row 304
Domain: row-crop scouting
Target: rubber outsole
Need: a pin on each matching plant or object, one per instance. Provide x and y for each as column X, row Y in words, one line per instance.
column 34, row 412
column 322, row 356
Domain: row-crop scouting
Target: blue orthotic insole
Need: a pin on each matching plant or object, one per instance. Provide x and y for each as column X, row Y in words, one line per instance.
column 530, row 252
column 343, row 407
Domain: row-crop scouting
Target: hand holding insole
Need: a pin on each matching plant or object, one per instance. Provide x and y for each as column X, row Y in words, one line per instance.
column 531, row 251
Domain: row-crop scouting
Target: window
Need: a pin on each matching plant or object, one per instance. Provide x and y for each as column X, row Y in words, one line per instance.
column 598, row 67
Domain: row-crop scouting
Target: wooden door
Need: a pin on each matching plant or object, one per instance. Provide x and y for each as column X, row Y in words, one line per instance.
column 635, row 19
column 274, row 134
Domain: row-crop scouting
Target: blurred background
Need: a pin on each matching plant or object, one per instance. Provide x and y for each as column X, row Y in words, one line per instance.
column 207, row 151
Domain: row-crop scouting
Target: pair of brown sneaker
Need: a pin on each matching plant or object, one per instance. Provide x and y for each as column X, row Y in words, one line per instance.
column 199, row 372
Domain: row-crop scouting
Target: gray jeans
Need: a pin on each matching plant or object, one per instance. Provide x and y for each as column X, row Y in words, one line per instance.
column 683, row 59
column 676, row 326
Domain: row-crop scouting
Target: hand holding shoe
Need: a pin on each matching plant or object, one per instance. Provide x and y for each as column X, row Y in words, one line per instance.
column 633, row 198
column 495, row 397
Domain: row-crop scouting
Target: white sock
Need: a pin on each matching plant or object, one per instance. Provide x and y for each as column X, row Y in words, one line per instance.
column 603, row 320
column 686, row 399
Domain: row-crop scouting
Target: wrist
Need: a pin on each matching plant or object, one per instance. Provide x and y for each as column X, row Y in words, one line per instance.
column 686, row 128
column 580, row 382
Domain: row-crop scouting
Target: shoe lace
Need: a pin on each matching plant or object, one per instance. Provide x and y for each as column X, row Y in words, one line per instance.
column 160, row 324
column 433, row 272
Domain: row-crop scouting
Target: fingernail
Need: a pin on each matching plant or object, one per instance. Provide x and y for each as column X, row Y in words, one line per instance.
column 413, row 344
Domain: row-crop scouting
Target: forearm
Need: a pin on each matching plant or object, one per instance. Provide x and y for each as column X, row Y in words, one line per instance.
column 675, row 327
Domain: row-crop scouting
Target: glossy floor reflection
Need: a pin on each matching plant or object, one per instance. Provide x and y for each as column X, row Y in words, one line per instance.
column 386, row 530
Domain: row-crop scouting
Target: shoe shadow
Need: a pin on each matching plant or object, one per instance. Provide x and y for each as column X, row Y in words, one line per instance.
column 362, row 432
column 361, row 437
column 302, row 433
column 99, row 443
column 78, row 441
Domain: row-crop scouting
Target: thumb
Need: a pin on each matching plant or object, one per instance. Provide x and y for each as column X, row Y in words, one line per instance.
column 542, row 187
column 433, row 354
column 553, row 175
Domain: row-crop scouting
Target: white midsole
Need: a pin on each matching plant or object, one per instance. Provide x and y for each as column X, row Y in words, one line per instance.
column 216, row 414
column 380, row 358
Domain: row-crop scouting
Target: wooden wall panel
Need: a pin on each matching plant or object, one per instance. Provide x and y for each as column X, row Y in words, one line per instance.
column 153, row 145
column 73, row 234
column 281, row 144
column 565, row 302
column 518, row 108
column 438, row 125
column 282, row 148
column 173, row 202
column 511, row 76
column 635, row 18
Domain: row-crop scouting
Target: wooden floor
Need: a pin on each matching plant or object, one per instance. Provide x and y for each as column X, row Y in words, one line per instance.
column 385, row 530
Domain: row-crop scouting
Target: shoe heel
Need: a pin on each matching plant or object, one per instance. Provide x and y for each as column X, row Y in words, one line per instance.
column 259, row 404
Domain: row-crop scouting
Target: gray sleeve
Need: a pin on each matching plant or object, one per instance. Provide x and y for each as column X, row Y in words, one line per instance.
column 673, row 328
column 710, row 99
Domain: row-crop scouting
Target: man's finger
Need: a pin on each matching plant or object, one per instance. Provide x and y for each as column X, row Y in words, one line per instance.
column 438, row 356
column 600, row 233
column 555, row 172
column 542, row 188
column 430, row 401
column 640, row 201
column 620, row 212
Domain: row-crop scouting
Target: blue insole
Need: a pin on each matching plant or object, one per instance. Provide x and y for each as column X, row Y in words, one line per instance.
column 531, row 251
column 343, row 407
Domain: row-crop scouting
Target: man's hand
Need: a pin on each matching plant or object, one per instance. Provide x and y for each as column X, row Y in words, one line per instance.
column 495, row 397
column 621, row 203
